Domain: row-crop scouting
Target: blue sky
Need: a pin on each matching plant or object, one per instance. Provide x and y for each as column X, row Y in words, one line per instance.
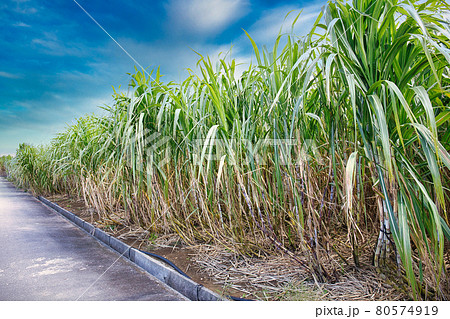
column 56, row 64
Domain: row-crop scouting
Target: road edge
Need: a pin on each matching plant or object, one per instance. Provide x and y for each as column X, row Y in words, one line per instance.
column 185, row 286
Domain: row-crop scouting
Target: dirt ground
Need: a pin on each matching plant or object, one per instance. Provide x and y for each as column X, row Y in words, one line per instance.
column 264, row 278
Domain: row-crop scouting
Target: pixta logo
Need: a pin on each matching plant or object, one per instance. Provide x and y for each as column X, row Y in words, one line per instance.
column 148, row 150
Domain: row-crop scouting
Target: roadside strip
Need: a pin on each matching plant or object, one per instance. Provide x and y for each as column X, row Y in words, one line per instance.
column 170, row 277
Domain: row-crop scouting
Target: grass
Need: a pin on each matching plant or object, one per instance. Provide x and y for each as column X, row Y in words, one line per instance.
column 343, row 130
column 3, row 160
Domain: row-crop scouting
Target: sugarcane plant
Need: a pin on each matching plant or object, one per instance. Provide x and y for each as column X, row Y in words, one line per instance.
column 343, row 130
column 393, row 61
column 3, row 160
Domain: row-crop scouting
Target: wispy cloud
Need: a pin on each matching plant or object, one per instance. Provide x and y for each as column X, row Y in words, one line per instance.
column 276, row 20
column 21, row 25
column 24, row 7
column 205, row 16
column 50, row 44
column 9, row 75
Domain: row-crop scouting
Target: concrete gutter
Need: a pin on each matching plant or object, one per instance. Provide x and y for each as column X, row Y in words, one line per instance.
column 158, row 269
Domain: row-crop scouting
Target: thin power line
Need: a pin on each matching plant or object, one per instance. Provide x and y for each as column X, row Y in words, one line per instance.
column 121, row 47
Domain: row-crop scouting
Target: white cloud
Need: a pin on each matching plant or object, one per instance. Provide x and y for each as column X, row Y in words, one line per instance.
column 23, row 7
column 205, row 16
column 51, row 45
column 268, row 26
column 8, row 75
column 21, row 24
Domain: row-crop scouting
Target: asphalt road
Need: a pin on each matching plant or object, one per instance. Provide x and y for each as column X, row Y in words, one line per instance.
column 45, row 257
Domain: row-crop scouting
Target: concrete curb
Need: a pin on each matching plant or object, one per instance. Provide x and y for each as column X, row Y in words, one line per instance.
column 170, row 277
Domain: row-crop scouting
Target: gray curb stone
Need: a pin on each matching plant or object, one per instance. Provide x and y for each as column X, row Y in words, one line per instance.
column 185, row 286
column 119, row 246
column 102, row 236
column 88, row 227
column 78, row 221
column 170, row 277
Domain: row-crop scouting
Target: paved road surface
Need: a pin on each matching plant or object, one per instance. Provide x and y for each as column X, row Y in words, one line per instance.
column 45, row 257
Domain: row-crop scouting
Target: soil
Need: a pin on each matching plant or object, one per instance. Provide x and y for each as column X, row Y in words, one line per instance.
column 263, row 278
